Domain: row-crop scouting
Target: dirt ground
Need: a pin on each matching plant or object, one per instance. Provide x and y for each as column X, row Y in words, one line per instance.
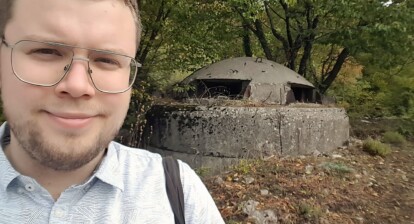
column 347, row 186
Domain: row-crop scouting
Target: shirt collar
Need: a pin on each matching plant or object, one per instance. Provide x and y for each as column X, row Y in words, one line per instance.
column 7, row 172
column 110, row 170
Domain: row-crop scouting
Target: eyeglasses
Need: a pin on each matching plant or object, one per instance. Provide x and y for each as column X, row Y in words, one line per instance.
column 47, row 63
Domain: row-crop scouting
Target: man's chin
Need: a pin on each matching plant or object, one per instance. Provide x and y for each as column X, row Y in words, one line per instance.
column 62, row 151
column 65, row 158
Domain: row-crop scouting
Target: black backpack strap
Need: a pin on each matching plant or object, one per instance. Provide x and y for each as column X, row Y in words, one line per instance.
column 174, row 188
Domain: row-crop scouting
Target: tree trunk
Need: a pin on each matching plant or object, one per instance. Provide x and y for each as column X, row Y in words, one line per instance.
column 246, row 41
column 162, row 15
column 335, row 71
column 262, row 39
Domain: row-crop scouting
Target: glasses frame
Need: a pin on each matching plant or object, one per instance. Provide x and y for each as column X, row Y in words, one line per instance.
column 133, row 61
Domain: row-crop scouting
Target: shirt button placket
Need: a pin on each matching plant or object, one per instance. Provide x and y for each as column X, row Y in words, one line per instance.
column 58, row 215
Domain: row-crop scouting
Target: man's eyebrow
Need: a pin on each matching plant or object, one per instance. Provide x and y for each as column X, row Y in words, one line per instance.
column 41, row 38
column 56, row 40
column 111, row 50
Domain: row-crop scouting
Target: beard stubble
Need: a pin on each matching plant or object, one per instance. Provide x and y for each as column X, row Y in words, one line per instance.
column 62, row 156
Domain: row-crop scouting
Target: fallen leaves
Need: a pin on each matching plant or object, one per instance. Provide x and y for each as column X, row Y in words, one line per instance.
column 351, row 187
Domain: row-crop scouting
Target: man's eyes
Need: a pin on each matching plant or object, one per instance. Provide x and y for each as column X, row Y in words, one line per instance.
column 107, row 61
column 46, row 51
column 102, row 61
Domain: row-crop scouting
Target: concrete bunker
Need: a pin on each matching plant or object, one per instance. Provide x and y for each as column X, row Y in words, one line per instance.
column 212, row 88
column 286, row 121
column 257, row 80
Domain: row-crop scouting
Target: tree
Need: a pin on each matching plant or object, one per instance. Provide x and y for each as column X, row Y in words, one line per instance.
column 293, row 32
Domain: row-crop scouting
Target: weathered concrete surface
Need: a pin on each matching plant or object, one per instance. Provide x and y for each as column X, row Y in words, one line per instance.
column 269, row 82
column 217, row 136
column 270, row 93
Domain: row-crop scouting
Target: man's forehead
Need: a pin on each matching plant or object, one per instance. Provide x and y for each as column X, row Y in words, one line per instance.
column 75, row 22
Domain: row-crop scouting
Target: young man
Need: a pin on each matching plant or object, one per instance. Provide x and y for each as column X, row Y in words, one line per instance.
column 66, row 69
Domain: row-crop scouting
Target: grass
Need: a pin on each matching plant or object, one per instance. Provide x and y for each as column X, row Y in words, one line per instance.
column 203, row 171
column 310, row 212
column 336, row 168
column 394, row 138
column 374, row 147
column 244, row 166
column 233, row 222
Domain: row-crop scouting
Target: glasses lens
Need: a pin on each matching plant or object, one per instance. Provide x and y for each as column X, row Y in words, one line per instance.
column 112, row 72
column 40, row 63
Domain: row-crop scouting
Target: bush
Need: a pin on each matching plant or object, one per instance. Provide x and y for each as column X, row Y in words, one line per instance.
column 337, row 168
column 375, row 147
column 203, row 171
column 244, row 166
column 393, row 137
column 310, row 212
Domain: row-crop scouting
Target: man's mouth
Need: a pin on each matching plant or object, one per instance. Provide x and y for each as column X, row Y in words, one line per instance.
column 71, row 120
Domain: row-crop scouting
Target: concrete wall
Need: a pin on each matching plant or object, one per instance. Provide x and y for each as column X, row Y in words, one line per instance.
column 218, row 136
column 270, row 93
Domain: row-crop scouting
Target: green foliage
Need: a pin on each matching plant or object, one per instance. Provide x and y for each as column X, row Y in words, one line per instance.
column 359, row 99
column 182, row 36
column 379, row 92
column 393, row 137
column 233, row 222
column 386, row 88
column 244, row 166
column 181, row 89
column 399, row 93
column 350, row 27
column 310, row 212
column 406, row 131
column 187, row 35
column 135, row 122
column 202, row 171
column 336, row 168
column 374, row 147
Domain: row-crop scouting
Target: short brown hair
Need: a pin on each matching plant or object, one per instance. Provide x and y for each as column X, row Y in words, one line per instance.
column 7, row 5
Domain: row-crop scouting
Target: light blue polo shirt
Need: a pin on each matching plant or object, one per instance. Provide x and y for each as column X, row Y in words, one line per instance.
column 128, row 187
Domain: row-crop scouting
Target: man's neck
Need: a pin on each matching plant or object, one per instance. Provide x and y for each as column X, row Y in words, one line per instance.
column 54, row 181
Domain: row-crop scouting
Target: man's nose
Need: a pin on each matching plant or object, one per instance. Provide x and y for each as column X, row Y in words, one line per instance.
column 77, row 81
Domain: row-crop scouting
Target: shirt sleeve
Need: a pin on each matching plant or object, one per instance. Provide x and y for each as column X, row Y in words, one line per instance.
column 199, row 206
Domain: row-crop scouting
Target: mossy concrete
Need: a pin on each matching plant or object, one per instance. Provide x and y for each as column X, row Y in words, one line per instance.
column 218, row 136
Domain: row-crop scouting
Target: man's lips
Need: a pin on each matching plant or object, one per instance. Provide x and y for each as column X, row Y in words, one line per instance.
column 71, row 120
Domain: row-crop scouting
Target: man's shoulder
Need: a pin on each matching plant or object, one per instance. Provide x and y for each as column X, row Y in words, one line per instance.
column 135, row 152
column 141, row 160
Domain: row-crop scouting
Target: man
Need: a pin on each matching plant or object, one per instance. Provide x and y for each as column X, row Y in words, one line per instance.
column 66, row 69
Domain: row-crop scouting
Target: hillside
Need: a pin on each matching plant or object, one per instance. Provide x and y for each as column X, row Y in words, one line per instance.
column 348, row 186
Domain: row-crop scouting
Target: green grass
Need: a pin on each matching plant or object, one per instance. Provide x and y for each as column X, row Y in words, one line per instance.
column 203, row 171
column 394, row 138
column 244, row 166
column 310, row 212
column 374, row 147
column 336, row 168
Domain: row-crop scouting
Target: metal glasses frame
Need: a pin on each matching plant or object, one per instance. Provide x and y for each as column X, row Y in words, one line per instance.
column 67, row 67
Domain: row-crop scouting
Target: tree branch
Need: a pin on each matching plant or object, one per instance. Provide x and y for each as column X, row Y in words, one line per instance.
column 312, row 24
column 335, row 70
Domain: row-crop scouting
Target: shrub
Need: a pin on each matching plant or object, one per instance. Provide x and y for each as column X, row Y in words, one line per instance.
column 202, row 171
column 310, row 212
column 375, row 147
column 393, row 137
column 337, row 168
column 246, row 166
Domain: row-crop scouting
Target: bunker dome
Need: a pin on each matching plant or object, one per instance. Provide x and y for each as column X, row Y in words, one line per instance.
column 255, row 79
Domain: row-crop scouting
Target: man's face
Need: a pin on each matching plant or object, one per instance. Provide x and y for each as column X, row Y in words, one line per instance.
column 67, row 125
